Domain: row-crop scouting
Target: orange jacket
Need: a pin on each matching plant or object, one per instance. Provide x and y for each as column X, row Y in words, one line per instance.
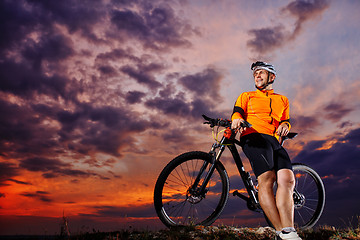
column 265, row 110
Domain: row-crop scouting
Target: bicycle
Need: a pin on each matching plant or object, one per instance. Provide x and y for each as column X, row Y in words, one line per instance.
column 193, row 188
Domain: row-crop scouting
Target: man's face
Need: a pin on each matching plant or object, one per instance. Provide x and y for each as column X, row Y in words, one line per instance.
column 260, row 77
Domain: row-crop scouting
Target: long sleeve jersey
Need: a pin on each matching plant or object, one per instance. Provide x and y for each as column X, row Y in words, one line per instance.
column 265, row 110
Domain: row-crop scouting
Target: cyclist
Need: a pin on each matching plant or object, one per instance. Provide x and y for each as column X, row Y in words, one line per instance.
column 268, row 113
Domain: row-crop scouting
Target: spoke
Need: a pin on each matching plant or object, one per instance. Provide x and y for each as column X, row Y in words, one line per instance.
column 194, row 167
column 168, row 185
column 309, row 209
column 177, row 212
column 189, row 175
column 298, row 212
column 180, row 178
column 184, row 174
column 311, row 199
column 190, row 213
column 210, row 204
column 311, row 193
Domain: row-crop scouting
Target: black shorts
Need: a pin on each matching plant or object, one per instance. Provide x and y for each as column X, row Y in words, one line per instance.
column 264, row 153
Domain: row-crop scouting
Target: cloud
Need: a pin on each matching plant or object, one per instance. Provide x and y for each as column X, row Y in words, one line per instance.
column 17, row 21
column 205, row 83
column 42, row 164
column 268, row 39
column 23, row 132
column 53, row 168
column 336, row 111
column 21, row 80
column 157, row 27
column 105, row 128
column 19, row 182
column 179, row 107
column 53, row 47
column 71, row 14
column 134, row 97
column 41, row 195
column 170, row 106
column 305, row 10
column 7, row 171
column 305, row 123
column 117, row 54
column 143, row 74
column 335, row 159
column 199, row 96
column 345, row 146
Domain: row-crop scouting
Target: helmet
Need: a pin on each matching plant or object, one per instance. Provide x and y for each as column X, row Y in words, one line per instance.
column 263, row 65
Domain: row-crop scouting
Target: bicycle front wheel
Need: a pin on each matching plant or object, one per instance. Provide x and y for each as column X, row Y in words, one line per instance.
column 309, row 196
column 175, row 199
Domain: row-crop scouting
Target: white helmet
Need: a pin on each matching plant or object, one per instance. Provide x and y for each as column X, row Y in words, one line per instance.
column 268, row 67
column 263, row 65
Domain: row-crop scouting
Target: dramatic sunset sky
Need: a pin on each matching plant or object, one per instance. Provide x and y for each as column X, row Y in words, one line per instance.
column 97, row 96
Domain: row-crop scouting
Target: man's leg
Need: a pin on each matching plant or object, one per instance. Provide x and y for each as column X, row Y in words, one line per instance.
column 267, row 200
column 284, row 197
column 280, row 210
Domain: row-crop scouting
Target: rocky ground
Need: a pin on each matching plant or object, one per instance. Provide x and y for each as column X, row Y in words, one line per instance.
column 220, row 233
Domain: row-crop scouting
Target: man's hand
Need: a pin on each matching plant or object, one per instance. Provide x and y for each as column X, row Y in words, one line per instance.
column 236, row 124
column 283, row 130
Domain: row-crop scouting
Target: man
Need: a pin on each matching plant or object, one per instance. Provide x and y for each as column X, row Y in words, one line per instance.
column 268, row 113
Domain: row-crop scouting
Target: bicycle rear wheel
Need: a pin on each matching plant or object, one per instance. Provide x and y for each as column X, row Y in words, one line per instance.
column 175, row 202
column 309, row 196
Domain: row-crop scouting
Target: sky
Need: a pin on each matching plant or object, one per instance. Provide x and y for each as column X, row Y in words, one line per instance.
column 96, row 97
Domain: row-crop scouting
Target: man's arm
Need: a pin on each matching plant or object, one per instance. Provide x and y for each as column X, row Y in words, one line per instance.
column 239, row 112
column 285, row 125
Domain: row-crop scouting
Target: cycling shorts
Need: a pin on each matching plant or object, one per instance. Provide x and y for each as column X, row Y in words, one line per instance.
column 264, row 153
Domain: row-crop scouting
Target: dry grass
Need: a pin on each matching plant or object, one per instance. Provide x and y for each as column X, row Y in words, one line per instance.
column 221, row 233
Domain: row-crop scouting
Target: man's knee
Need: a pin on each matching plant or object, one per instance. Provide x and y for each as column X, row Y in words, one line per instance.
column 285, row 178
column 267, row 179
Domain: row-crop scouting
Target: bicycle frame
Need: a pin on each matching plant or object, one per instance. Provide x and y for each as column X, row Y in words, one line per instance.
column 252, row 200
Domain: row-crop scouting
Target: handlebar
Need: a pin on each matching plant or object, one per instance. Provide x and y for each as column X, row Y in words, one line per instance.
column 227, row 124
column 223, row 122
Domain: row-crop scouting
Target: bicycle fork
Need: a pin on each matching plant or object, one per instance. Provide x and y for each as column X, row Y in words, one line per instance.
column 200, row 191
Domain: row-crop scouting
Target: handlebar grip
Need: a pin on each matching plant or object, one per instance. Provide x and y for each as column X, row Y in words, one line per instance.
column 223, row 122
column 246, row 124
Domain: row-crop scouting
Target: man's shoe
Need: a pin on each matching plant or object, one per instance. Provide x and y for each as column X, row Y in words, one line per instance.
column 290, row 236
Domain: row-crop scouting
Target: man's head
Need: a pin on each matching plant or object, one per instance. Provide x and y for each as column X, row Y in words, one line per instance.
column 264, row 74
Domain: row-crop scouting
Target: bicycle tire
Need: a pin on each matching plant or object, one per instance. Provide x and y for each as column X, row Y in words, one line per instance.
column 308, row 183
column 173, row 203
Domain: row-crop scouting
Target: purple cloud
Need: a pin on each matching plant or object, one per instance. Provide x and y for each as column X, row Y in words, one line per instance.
column 142, row 75
column 336, row 111
column 205, row 83
column 268, row 39
column 134, row 97
column 304, row 11
column 156, row 27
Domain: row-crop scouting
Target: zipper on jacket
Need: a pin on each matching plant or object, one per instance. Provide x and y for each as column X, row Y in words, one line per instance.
column 272, row 119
